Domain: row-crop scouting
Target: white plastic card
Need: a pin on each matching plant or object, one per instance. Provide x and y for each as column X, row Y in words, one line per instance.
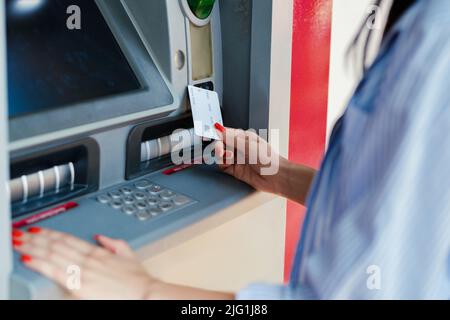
column 206, row 112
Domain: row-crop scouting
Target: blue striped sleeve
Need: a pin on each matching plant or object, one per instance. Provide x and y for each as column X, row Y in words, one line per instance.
column 266, row 292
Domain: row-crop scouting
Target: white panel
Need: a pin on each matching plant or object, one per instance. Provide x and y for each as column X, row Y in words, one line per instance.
column 280, row 73
column 347, row 18
column 228, row 258
column 5, row 231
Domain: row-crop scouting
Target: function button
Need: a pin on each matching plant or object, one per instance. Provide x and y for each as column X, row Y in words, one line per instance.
column 129, row 210
column 166, row 206
column 153, row 201
column 181, row 200
column 167, row 195
column 115, row 194
column 126, row 190
column 143, row 184
column 104, row 199
column 143, row 215
column 116, row 204
column 155, row 189
column 139, row 195
column 129, row 200
column 154, row 212
column 141, row 205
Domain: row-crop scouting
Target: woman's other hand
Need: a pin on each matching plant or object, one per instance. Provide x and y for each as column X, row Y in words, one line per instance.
column 108, row 271
column 249, row 158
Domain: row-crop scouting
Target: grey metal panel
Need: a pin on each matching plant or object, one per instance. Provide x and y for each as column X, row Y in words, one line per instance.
column 213, row 190
column 94, row 218
column 260, row 64
column 154, row 31
column 112, row 167
column 155, row 92
column 5, row 223
column 160, row 24
column 164, row 29
column 236, row 19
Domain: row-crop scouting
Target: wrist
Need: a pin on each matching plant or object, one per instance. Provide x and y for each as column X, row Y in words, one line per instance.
column 294, row 181
column 153, row 290
column 280, row 181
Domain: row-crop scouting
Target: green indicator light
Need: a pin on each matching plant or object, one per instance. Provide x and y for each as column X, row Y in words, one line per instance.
column 201, row 8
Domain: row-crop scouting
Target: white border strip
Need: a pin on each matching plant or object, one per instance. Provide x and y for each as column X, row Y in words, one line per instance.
column 72, row 175
column 5, row 209
column 24, row 189
column 41, row 184
column 58, row 179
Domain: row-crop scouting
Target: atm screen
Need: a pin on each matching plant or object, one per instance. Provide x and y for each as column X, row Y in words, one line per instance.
column 51, row 65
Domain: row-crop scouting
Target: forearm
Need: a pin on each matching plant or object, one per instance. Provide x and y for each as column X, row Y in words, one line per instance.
column 165, row 291
column 294, row 181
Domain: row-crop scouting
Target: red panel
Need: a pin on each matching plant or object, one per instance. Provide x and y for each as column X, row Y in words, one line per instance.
column 309, row 99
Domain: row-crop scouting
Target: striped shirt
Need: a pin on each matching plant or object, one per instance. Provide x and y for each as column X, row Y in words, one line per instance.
column 378, row 222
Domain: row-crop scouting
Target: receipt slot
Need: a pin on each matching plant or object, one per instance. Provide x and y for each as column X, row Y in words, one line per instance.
column 92, row 113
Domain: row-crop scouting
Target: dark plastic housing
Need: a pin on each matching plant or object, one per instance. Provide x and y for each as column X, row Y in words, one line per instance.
column 84, row 155
column 150, row 131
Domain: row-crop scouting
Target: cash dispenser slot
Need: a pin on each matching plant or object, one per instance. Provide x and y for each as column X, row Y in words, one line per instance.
column 151, row 145
column 47, row 177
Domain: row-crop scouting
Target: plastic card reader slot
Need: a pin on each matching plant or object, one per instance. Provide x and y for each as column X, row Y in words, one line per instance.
column 42, row 183
column 179, row 140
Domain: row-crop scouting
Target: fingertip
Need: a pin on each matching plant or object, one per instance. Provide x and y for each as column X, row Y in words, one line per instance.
column 103, row 240
column 17, row 243
column 26, row 259
column 220, row 127
column 16, row 233
column 34, row 230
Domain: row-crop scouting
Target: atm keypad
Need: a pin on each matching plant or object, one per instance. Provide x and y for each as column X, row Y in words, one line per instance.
column 144, row 200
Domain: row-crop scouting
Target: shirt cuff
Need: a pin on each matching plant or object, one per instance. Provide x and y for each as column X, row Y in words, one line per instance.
column 273, row 292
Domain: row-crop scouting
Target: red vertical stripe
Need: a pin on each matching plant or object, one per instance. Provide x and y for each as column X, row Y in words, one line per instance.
column 309, row 99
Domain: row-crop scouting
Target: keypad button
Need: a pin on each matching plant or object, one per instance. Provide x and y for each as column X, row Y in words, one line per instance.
column 181, row 200
column 166, row 206
column 141, row 205
column 116, row 204
column 104, row 199
column 139, row 195
column 129, row 210
column 143, row 184
column 153, row 201
column 155, row 212
column 143, row 215
column 167, row 195
column 115, row 194
column 155, row 189
column 129, row 200
column 126, row 190
column 144, row 200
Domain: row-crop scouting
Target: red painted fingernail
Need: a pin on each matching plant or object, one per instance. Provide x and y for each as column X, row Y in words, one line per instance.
column 17, row 243
column 26, row 259
column 17, row 233
column 97, row 237
column 219, row 127
column 34, row 230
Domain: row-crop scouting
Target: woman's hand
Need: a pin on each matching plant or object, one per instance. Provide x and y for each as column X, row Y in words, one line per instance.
column 108, row 271
column 249, row 158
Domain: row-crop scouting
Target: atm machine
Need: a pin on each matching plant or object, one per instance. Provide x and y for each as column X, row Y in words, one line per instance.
column 93, row 104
